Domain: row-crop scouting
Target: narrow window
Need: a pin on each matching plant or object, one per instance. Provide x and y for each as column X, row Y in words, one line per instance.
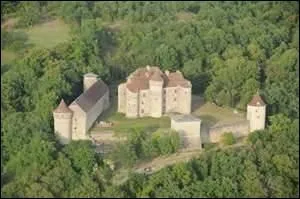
column 142, row 110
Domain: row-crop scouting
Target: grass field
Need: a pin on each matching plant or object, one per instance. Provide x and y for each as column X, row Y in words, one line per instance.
column 45, row 35
column 123, row 124
column 185, row 16
column 212, row 114
column 7, row 56
column 48, row 34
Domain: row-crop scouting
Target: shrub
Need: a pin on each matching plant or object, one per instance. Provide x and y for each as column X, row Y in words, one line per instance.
column 228, row 139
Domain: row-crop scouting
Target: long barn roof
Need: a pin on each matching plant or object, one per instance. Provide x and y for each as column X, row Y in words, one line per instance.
column 91, row 96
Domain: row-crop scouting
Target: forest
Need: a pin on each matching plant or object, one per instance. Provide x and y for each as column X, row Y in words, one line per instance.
column 229, row 50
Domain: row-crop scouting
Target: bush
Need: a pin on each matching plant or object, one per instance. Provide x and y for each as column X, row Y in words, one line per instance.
column 228, row 139
column 14, row 41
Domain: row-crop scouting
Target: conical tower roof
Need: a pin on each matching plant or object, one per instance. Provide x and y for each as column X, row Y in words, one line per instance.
column 62, row 108
column 256, row 101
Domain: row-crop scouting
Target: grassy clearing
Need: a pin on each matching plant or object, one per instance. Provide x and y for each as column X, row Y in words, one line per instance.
column 44, row 35
column 185, row 16
column 7, row 56
column 123, row 124
column 48, row 34
column 121, row 176
column 212, row 114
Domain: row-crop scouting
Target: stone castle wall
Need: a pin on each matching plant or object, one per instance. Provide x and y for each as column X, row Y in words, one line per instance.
column 78, row 123
column 189, row 132
column 257, row 117
column 154, row 102
column 238, row 129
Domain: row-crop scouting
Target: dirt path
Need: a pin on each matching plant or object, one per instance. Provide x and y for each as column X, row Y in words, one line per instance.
column 163, row 161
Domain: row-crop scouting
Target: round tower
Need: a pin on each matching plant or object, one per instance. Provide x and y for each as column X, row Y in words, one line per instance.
column 88, row 80
column 156, row 92
column 63, row 122
column 256, row 113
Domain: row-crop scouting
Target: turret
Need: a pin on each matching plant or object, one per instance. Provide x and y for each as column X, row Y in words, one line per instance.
column 63, row 122
column 156, row 90
column 256, row 113
column 88, row 80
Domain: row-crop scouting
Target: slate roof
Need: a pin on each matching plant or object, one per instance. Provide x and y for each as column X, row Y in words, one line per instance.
column 91, row 96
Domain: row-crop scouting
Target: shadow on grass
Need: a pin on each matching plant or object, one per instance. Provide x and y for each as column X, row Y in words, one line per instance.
column 197, row 102
column 209, row 120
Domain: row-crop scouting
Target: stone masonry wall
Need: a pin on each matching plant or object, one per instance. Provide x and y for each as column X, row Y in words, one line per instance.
column 239, row 129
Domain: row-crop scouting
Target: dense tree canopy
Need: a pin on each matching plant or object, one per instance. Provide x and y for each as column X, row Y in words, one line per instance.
column 229, row 50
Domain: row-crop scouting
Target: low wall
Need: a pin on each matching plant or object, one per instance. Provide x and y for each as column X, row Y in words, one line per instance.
column 239, row 129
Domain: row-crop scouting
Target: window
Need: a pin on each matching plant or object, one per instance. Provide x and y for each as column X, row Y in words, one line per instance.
column 142, row 110
column 175, row 91
column 144, row 95
column 257, row 117
column 175, row 99
column 142, row 102
column 256, row 110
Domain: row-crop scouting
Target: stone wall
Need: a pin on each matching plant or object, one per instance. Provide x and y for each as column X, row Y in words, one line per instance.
column 122, row 98
column 170, row 99
column 257, row 117
column 184, row 100
column 156, row 96
column 132, row 104
column 63, row 126
column 238, row 129
column 144, row 103
column 189, row 132
column 78, row 123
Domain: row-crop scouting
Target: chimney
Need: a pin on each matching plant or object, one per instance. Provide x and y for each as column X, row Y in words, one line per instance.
column 177, row 71
column 88, row 80
column 147, row 74
column 148, row 67
column 167, row 72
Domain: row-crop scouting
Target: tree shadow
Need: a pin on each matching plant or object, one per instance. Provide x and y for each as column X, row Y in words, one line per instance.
column 197, row 102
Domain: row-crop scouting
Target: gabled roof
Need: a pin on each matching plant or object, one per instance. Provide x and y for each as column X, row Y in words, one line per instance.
column 139, row 79
column 91, row 96
column 256, row 101
column 62, row 108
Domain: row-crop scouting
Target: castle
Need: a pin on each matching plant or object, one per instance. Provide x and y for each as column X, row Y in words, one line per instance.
column 73, row 122
column 150, row 92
